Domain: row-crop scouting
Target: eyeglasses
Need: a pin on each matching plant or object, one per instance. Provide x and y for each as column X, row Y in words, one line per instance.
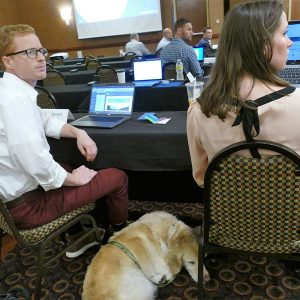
column 31, row 53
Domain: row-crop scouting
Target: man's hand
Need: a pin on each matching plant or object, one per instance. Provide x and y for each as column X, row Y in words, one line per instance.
column 86, row 146
column 80, row 176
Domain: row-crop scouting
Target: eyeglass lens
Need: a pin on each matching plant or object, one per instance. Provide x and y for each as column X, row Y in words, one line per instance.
column 32, row 53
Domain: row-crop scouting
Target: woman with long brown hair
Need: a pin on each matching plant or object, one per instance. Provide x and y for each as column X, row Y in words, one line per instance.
column 253, row 48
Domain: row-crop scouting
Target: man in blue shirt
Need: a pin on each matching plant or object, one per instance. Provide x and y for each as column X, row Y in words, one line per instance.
column 178, row 48
column 206, row 43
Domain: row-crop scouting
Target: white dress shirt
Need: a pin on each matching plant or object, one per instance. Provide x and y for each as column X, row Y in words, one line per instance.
column 137, row 47
column 162, row 43
column 25, row 160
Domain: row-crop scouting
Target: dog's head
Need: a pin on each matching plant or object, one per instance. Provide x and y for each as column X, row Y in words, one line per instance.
column 183, row 249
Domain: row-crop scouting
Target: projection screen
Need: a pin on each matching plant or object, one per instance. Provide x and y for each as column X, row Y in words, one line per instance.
column 100, row 18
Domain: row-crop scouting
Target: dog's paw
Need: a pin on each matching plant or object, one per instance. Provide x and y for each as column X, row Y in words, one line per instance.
column 162, row 278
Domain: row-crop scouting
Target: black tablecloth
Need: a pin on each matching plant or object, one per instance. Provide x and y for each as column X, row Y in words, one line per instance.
column 69, row 96
column 79, row 77
column 134, row 145
column 82, row 67
column 162, row 98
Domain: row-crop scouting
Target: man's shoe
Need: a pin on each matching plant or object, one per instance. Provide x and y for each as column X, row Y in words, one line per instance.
column 87, row 243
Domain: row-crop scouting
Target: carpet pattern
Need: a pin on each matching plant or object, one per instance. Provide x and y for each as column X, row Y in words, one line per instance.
column 232, row 277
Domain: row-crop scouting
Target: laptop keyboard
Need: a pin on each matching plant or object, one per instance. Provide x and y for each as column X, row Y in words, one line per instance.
column 291, row 75
column 104, row 118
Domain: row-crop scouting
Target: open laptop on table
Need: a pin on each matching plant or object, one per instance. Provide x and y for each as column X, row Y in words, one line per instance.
column 292, row 71
column 147, row 72
column 199, row 53
column 110, row 105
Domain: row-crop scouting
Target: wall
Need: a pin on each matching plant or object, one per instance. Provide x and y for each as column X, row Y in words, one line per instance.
column 44, row 16
column 57, row 37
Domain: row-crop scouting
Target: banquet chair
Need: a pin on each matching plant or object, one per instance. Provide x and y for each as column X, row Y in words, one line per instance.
column 169, row 71
column 129, row 55
column 107, row 74
column 88, row 57
column 136, row 58
column 57, row 61
column 251, row 205
column 40, row 237
column 93, row 64
column 45, row 99
column 54, row 77
column 157, row 53
column 49, row 66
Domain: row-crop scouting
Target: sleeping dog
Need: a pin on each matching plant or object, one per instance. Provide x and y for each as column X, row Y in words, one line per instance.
column 146, row 254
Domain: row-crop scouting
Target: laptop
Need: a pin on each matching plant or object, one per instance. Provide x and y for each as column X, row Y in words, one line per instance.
column 199, row 53
column 110, row 105
column 291, row 72
column 147, row 72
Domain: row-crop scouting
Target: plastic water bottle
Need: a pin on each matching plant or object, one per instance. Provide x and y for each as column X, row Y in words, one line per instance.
column 179, row 70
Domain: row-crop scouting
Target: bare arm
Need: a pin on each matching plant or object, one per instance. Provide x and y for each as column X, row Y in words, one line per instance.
column 85, row 144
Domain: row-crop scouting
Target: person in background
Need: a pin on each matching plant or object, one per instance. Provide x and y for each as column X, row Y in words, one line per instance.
column 239, row 77
column 206, row 42
column 36, row 189
column 166, row 39
column 178, row 48
column 134, row 45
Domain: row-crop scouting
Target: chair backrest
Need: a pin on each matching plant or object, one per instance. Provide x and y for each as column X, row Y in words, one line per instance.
column 49, row 66
column 169, row 70
column 107, row 74
column 45, row 99
column 157, row 53
column 57, row 61
column 253, row 204
column 93, row 64
column 136, row 58
column 129, row 55
column 54, row 77
column 88, row 57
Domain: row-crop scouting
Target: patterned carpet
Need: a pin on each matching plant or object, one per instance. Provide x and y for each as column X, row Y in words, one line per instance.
column 232, row 277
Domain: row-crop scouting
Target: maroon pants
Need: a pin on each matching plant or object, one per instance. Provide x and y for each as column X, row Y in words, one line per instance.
column 40, row 207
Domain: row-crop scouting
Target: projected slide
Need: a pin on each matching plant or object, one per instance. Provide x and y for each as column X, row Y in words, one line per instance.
column 96, row 18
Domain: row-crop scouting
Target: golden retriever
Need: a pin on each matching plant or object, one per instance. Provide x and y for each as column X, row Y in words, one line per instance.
column 161, row 245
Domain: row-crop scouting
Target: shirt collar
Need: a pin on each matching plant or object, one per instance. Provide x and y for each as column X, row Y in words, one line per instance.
column 26, row 87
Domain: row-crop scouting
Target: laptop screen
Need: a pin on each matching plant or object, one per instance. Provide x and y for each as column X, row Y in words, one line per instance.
column 112, row 99
column 199, row 53
column 150, row 69
column 294, row 35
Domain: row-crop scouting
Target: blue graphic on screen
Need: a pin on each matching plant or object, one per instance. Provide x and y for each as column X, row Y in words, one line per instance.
column 199, row 53
column 111, row 100
column 294, row 35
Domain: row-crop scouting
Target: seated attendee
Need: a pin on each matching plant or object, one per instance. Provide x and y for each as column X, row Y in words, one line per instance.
column 239, row 77
column 35, row 187
column 134, row 45
column 206, row 42
column 166, row 39
column 178, row 48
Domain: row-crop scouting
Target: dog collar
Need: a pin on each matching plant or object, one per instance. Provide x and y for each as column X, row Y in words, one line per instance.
column 133, row 258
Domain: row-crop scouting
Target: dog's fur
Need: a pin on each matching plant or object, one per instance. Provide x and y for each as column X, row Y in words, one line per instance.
column 161, row 244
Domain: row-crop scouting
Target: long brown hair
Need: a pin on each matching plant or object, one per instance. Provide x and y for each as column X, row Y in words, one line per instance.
column 245, row 47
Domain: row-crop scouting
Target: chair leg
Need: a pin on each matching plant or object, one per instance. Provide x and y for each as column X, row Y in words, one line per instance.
column 40, row 273
column 201, row 256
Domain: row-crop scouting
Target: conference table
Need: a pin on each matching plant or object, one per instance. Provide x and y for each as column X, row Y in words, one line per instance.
column 73, row 61
column 134, row 145
column 170, row 97
column 122, row 64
